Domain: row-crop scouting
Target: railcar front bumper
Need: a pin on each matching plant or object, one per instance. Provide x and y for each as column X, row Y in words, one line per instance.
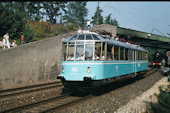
column 86, row 83
column 85, row 78
column 60, row 77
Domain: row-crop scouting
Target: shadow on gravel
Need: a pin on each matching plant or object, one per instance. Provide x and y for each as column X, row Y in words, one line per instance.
column 111, row 86
column 105, row 88
column 100, row 90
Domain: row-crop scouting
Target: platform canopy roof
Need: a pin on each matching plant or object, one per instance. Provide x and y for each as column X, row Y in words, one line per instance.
column 145, row 39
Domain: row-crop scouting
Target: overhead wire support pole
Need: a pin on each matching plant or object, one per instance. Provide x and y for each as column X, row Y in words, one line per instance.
column 98, row 14
column 156, row 30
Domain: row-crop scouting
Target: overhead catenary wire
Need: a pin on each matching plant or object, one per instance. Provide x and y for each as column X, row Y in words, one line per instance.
column 101, row 9
column 132, row 21
column 136, row 14
column 108, row 4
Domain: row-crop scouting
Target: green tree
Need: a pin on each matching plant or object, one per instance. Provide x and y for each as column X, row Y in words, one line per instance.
column 114, row 22
column 54, row 9
column 76, row 14
column 110, row 21
column 37, row 11
column 162, row 106
column 97, row 18
column 30, row 10
column 29, row 34
column 11, row 19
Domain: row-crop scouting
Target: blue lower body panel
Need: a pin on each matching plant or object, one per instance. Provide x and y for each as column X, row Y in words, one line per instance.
column 79, row 71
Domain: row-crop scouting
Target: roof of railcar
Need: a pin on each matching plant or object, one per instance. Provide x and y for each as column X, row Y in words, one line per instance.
column 107, row 40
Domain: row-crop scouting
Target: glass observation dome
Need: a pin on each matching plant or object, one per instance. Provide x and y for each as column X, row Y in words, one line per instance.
column 85, row 45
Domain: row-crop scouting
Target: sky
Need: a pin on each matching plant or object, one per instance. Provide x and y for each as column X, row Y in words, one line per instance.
column 151, row 17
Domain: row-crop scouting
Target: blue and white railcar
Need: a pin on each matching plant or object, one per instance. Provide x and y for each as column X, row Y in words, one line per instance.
column 91, row 60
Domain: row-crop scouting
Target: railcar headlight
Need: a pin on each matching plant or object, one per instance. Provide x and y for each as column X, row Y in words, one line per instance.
column 153, row 63
column 160, row 63
column 63, row 69
column 88, row 70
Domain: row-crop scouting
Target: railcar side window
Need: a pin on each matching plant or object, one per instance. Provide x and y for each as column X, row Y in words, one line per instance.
column 79, row 51
column 137, row 58
column 126, row 53
column 140, row 55
column 121, row 53
column 146, row 56
column 95, row 37
column 130, row 54
column 103, row 51
column 89, row 52
column 109, row 52
column 64, row 52
column 97, row 54
column 70, row 52
column 116, row 53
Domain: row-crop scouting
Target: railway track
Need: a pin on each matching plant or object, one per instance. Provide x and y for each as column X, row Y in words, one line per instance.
column 29, row 89
column 57, row 103
column 49, row 104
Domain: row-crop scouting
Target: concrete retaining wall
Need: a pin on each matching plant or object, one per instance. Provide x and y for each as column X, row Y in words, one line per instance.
column 30, row 64
column 34, row 63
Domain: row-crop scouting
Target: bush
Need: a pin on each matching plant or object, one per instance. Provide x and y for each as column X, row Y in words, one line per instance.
column 29, row 34
column 163, row 104
column 42, row 30
column 60, row 29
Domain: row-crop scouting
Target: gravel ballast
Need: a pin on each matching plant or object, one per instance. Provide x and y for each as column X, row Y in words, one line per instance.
column 139, row 105
column 118, row 99
column 129, row 98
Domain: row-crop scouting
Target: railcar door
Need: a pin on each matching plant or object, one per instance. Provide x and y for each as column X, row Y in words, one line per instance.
column 134, row 61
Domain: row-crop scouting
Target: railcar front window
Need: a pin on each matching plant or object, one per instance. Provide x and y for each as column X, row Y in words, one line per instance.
column 88, row 52
column 70, row 56
column 80, row 52
column 64, row 52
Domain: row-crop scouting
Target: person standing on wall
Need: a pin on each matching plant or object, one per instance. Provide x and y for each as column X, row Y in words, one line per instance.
column 4, row 45
column 22, row 39
column 7, row 40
